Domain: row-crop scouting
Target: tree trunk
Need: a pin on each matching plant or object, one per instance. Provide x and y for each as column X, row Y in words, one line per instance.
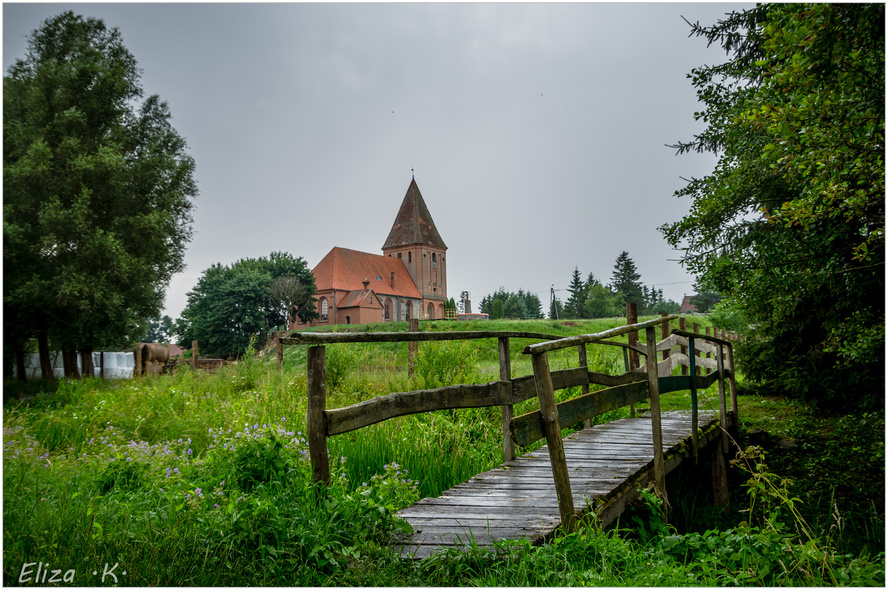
column 86, row 363
column 43, row 350
column 69, row 361
column 20, row 362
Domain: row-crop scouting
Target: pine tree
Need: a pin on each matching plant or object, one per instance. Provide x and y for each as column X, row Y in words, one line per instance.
column 626, row 281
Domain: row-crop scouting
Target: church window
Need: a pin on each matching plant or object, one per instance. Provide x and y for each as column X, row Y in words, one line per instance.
column 431, row 312
column 434, row 261
column 408, row 308
column 388, row 309
column 399, row 254
column 324, row 309
column 410, row 257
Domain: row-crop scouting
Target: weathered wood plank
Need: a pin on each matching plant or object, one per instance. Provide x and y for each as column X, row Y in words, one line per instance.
column 315, row 424
column 347, row 337
column 378, row 409
column 519, row 500
column 588, row 338
column 549, row 413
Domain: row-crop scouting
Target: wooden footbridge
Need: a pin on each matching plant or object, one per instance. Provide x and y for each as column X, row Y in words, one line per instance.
column 596, row 469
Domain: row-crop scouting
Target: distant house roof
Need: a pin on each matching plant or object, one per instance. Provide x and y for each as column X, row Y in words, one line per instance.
column 413, row 224
column 346, row 270
column 687, row 306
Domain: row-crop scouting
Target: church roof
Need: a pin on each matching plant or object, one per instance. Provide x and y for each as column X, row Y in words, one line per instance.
column 414, row 224
column 346, row 270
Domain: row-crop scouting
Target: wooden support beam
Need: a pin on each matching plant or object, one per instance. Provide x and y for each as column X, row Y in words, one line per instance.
column 584, row 364
column 650, row 361
column 722, row 403
column 505, row 368
column 549, row 412
column 316, row 422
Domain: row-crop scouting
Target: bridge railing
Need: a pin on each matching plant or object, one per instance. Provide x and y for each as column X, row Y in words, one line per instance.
column 504, row 392
column 626, row 390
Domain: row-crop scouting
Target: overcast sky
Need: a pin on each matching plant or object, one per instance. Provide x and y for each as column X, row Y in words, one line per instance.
column 536, row 132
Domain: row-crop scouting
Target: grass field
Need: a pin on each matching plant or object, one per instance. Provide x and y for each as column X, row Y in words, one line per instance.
column 203, row 479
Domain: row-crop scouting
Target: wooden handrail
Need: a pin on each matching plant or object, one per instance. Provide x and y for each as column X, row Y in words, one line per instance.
column 377, row 337
column 568, row 341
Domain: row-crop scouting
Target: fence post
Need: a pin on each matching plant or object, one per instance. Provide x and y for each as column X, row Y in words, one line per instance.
column 650, row 362
column 549, row 413
column 683, row 349
column 506, row 375
column 280, row 353
column 722, row 403
column 584, row 363
column 316, row 425
column 412, row 347
column 664, row 334
column 692, row 361
column 632, row 318
column 697, row 352
column 708, row 354
column 195, row 353
column 102, row 365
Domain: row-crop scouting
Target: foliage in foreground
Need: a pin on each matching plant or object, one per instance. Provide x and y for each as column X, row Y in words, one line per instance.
column 202, row 479
column 790, row 226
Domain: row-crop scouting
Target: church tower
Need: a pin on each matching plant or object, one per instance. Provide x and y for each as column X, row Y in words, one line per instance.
column 416, row 241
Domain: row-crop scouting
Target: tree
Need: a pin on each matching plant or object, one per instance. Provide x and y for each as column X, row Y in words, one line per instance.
column 97, row 192
column 626, row 282
column 520, row 305
column 789, row 227
column 292, row 299
column 232, row 305
column 574, row 306
column 601, row 302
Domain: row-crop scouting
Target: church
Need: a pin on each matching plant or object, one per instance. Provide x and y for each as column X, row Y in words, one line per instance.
column 408, row 280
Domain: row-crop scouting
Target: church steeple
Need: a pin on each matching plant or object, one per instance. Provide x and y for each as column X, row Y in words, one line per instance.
column 415, row 240
column 413, row 224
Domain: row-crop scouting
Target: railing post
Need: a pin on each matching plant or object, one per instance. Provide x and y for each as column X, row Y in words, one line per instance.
column 708, row 354
column 316, row 424
column 664, row 333
column 584, row 363
column 683, row 326
column 697, row 331
column 650, row 362
column 632, row 318
column 280, row 354
column 505, row 368
column 722, row 403
column 695, row 443
column 195, row 354
column 732, row 386
column 549, row 413
column 412, row 347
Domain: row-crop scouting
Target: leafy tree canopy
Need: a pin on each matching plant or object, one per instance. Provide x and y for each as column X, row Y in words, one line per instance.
column 789, row 227
column 232, row 305
column 97, row 190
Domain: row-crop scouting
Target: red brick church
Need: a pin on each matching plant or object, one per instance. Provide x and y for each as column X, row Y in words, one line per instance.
column 409, row 279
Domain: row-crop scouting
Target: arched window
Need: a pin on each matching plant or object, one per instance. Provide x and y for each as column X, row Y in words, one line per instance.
column 434, row 260
column 323, row 309
column 431, row 312
column 408, row 308
column 410, row 257
column 388, row 310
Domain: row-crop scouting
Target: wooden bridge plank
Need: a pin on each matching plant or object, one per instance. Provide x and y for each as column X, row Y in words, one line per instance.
column 606, row 464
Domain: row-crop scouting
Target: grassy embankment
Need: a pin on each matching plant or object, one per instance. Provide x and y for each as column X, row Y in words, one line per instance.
column 197, row 479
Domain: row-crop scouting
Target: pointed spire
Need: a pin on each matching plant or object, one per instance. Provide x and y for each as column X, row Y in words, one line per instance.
column 413, row 224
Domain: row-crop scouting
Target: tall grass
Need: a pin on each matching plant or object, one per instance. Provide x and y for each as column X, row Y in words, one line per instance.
column 203, row 479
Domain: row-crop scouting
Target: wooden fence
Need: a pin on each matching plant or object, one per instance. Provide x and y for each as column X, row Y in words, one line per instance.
column 621, row 390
